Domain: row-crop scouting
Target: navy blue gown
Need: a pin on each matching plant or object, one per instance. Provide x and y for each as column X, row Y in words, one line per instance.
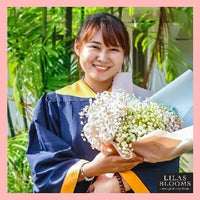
column 56, row 149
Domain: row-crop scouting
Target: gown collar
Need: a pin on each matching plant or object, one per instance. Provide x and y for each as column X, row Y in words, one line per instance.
column 78, row 89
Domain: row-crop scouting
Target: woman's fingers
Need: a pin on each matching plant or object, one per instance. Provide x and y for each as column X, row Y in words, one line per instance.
column 110, row 164
column 91, row 188
column 108, row 149
column 116, row 163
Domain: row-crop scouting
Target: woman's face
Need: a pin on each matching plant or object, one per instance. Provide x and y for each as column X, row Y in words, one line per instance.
column 99, row 62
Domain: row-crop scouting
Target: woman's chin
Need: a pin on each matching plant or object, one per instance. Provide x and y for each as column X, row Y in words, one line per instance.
column 103, row 77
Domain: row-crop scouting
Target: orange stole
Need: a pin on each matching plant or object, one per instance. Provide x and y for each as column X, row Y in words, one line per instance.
column 134, row 182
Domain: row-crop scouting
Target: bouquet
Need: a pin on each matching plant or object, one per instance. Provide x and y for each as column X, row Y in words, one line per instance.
column 119, row 118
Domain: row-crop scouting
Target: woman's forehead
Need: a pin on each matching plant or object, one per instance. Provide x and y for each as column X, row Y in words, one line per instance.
column 96, row 36
column 103, row 36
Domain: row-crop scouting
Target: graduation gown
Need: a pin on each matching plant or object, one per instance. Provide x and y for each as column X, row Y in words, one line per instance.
column 56, row 149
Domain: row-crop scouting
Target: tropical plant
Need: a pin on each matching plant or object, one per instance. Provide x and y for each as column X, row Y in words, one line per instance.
column 163, row 47
column 38, row 59
column 18, row 171
column 38, row 62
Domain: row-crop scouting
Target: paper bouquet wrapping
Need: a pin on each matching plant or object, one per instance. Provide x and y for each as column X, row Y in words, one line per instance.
column 178, row 94
column 145, row 127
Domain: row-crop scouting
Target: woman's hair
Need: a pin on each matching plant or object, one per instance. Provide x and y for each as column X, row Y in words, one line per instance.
column 113, row 30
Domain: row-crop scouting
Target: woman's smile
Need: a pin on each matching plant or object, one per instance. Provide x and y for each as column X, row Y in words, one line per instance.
column 101, row 68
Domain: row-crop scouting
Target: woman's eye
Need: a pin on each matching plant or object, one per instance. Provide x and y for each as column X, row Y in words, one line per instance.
column 114, row 49
column 94, row 47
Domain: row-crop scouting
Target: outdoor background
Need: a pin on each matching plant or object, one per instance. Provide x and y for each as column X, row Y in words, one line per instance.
column 40, row 60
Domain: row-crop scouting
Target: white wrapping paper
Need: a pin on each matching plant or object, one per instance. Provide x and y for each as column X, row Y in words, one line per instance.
column 178, row 94
column 160, row 145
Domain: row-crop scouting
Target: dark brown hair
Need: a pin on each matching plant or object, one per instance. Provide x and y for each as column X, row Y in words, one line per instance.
column 113, row 30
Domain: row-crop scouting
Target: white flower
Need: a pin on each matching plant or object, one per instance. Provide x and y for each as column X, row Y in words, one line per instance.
column 119, row 117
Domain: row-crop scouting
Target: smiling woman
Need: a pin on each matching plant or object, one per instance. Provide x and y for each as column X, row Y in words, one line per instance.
column 99, row 62
column 59, row 158
column 101, row 46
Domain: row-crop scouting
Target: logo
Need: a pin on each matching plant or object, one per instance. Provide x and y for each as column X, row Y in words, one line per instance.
column 175, row 183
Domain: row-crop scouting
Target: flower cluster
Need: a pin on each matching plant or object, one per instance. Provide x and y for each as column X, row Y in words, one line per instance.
column 122, row 118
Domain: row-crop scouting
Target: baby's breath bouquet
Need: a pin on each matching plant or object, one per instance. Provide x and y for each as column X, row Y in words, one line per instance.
column 119, row 118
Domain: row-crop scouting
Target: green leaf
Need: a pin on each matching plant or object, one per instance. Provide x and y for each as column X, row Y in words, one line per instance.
column 131, row 11
column 146, row 13
column 50, row 51
column 18, row 170
column 138, row 38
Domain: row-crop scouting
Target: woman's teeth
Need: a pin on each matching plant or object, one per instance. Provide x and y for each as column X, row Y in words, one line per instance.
column 100, row 67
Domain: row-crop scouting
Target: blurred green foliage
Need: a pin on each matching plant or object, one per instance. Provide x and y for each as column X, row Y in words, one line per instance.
column 18, row 171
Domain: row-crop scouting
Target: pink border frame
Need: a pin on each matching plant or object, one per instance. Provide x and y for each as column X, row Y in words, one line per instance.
column 99, row 3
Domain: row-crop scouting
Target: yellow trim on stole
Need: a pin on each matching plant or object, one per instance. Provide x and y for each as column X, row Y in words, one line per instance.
column 134, row 182
column 71, row 177
column 78, row 89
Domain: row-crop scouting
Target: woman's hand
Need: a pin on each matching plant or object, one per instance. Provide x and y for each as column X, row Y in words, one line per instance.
column 156, row 149
column 107, row 183
column 160, row 145
column 102, row 164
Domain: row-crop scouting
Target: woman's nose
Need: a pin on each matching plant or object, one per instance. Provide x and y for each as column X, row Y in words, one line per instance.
column 102, row 56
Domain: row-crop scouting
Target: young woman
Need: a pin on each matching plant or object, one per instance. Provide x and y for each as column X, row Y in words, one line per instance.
column 59, row 158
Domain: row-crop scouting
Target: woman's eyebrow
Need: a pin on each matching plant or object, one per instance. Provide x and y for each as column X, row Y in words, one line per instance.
column 95, row 42
column 99, row 43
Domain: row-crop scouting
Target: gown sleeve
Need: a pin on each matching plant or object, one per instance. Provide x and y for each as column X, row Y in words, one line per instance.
column 53, row 163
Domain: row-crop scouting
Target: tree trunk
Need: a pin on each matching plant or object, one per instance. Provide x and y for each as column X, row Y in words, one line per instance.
column 158, row 48
column 10, row 124
column 44, row 24
column 120, row 12
column 68, row 26
column 42, row 57
column 54, row 35
column 24, row 113
column 111, row 10
column 82, row 14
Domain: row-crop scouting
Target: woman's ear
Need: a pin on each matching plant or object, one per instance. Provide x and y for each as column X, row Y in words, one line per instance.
column 76, row 47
